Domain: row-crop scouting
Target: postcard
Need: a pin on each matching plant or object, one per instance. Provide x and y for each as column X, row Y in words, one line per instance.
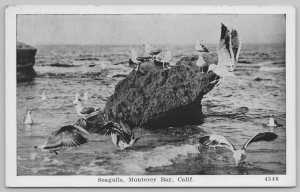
column 150, row 96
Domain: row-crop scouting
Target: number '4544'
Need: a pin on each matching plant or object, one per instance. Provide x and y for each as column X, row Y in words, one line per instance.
column 271, row 178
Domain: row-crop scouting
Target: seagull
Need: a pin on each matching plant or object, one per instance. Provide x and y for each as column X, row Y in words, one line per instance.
column 228, row 53
column 164, row 57
column 239, row 155
column 121, row 135
column 64, row 137
column 229, row 48
column 134, row 60
column 272, row 122
column 44, row 97
column 200, row 48
column 151, row 50
column 77, row 98
column 28, row 119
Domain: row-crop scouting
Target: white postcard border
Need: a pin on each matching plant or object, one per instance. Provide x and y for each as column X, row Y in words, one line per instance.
column 12, row 180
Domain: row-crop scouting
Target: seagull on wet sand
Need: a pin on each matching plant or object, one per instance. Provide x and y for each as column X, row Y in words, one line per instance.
column 121, row 135
column 28, row 119
column 239, row 155
column 64, row 137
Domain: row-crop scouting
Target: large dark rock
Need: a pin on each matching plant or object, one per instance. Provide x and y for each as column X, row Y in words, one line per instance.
column 25, row 61
column 160, row 98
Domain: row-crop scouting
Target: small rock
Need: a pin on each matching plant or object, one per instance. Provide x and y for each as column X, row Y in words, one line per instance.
column 242, row 110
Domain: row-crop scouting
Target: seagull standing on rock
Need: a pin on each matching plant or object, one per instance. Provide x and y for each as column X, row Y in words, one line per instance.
column 239, row 155
column 164, row 57
column 201, row 49
column 133, row 57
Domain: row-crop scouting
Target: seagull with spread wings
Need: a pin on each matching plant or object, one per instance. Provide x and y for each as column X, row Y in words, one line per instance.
column 228, row 53
column 65, row 137
column 239, row 155
column 229, row 48
column 121, row 134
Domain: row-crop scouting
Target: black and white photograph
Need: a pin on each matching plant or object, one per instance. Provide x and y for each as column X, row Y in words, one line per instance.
column 129, row 96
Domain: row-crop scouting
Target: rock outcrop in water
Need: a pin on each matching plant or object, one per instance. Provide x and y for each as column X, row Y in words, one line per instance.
column 160, row 98
column 25, row 62
column 157, row 98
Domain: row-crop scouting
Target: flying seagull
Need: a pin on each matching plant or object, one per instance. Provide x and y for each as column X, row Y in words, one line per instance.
column 239, row 155
column 228, row 53
column 199, row 46
column 121, row 135
column 229, row 48
column 64, row 137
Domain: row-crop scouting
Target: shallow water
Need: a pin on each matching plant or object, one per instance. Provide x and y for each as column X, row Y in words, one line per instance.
column 235, row 109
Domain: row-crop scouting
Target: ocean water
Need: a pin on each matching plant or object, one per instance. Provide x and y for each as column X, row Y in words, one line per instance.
column 236, row 109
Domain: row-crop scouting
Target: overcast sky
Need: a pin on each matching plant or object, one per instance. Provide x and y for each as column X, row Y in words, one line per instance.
column 137, row 29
